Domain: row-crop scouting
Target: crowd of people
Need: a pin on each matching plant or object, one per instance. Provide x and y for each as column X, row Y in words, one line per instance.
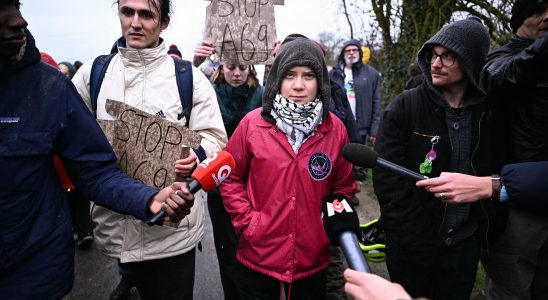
column 473, row 119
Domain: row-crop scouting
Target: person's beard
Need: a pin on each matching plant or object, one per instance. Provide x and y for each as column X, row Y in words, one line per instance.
column 351, row 60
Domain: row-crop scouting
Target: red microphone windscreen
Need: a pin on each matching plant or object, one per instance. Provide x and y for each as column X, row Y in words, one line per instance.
column 214, row 169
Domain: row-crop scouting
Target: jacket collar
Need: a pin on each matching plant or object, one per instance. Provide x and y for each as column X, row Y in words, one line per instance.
column 138, row 58
column 521, row 41
column 31, row 55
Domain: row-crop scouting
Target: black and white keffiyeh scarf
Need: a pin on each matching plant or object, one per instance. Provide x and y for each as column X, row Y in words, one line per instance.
column 297, row 121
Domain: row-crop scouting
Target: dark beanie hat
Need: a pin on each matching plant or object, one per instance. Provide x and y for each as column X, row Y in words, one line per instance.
column 469, row 39
column 296, row 50
column 522, row 10
column 174, row 51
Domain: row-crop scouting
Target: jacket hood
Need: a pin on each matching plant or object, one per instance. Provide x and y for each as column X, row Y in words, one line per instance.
column 469, row 40
column 340, row 59
column 30, row 56
column 298, row 51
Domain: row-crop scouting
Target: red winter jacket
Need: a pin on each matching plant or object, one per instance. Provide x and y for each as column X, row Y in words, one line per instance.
column 274, row 196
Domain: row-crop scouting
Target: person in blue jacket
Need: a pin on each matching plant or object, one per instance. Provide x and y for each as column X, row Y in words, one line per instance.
column 41, row 115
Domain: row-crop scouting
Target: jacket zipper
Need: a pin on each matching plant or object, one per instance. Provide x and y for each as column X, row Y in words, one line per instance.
column 474, row 171
column 445, row 205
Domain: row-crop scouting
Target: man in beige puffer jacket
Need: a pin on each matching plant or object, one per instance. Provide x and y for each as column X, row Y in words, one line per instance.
column 142, row 75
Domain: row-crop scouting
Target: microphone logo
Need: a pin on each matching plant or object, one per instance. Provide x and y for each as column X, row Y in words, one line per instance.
column 205, row 163
column 222, row 174
column 338, row 207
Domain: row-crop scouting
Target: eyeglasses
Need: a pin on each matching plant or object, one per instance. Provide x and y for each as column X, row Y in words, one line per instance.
column 351, row 50
column 447, row 58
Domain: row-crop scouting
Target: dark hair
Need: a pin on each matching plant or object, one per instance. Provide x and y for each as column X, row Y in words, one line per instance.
column 77, row 64
column 252, row 81
column 164, row 9
column 70, row 68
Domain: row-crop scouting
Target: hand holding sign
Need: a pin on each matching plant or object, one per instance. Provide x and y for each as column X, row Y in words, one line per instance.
column 146, row 145
column 243, row 32
column 203, row 51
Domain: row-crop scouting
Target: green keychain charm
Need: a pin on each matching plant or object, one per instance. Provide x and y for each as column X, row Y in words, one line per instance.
column 426, row 166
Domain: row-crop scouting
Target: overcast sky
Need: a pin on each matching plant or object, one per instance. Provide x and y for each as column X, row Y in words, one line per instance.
column 72, row 30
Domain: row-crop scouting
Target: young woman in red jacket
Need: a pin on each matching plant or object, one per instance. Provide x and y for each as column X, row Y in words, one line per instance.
column 288, row 158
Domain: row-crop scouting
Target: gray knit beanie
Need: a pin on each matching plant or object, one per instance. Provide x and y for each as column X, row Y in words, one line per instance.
column 469, row 39
column 297, row 51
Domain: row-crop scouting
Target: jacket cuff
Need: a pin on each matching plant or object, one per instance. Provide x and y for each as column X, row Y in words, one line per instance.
column 200, row 152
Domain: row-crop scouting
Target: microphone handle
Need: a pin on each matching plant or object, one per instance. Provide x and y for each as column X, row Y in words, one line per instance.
column 400, row 170
column 352, row 251
column 158, row 218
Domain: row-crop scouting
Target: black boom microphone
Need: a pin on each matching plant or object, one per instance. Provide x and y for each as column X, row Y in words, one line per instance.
column 341, row 224
column 361, row 155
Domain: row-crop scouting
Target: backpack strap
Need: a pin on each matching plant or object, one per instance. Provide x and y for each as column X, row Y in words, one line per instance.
column 185, row 85
column 183, row 75
column 98, row 70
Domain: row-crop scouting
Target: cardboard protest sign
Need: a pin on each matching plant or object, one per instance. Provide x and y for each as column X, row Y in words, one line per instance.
column 146, row 146
column 243, row 32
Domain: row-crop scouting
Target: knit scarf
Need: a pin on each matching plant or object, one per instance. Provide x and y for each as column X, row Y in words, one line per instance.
column 297, row 121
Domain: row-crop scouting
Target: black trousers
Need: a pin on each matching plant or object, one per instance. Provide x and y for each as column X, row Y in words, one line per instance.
column 169, row 278
column 258, row 286
column 451, row 274
column 226, row 243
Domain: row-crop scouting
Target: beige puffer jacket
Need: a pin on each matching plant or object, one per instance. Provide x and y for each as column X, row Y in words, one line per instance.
column 145, row 79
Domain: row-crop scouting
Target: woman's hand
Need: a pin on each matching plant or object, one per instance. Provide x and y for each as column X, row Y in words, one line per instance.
column 203, row 51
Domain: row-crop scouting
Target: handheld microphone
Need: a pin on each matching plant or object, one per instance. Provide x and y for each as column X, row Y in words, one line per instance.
column 341, row 224
column 208, row 175
column 362, row 156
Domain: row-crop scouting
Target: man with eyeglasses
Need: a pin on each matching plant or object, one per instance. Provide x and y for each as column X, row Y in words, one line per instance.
column 440, row 126
column 363, row 89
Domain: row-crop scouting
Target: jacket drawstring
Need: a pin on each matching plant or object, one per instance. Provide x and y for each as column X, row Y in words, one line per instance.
column 282, row 291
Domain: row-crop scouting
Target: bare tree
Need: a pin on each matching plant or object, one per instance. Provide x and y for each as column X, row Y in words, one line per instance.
column 331, row 42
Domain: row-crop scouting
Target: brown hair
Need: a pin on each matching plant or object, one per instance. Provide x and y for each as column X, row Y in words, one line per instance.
column 165, row 8
column 252, row 82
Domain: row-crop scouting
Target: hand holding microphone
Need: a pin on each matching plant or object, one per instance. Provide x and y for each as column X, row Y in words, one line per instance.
column 362, row 156
column 208, row 175
column 341, row 224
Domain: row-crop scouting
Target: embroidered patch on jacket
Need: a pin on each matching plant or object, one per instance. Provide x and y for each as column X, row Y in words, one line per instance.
column 319, row 166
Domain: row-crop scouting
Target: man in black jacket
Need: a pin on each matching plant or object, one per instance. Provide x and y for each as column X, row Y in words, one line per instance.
column 434, row 247
column 516, row 80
